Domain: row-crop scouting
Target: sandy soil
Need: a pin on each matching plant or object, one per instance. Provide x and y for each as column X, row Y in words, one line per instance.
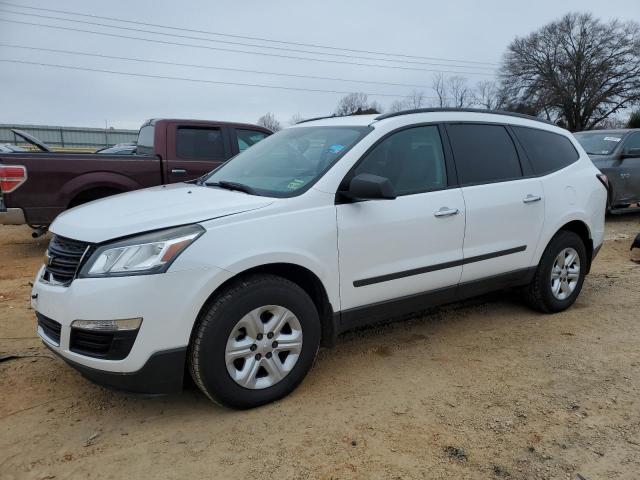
column 486, row 389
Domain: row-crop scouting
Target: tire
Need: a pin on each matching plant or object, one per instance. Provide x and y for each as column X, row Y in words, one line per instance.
column 540, row 292
column 229, row 324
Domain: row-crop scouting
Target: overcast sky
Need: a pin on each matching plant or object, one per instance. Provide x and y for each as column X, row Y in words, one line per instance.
column 464, row 31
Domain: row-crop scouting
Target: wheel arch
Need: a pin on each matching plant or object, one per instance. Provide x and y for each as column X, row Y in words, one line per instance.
column 93, row 192
column 301, row 276
column 581, row 229
column 112, row 181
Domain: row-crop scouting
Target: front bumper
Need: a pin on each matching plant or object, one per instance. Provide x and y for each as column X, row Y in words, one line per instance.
column 12, row 216
column 161, row 374
column 168, row 303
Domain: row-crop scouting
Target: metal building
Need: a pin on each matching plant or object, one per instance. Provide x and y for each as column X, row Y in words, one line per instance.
column 69, row 138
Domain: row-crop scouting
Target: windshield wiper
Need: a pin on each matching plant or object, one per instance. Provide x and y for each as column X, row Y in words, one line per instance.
column 241, row 187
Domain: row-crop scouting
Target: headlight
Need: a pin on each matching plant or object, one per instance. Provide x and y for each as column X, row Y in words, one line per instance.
column 141, row 255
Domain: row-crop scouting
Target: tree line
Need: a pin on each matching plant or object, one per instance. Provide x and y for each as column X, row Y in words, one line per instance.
column 578, row 72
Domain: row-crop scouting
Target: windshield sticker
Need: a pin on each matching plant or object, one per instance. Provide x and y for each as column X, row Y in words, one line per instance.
column 335, row 148
column 295, row 184
column 612, row 139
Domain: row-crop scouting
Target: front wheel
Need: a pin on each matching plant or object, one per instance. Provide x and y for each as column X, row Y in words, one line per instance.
column 560, row 274
column 255, row 342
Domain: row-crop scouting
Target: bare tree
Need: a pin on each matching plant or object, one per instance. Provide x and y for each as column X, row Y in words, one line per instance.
column 439, row 86
column 459, row 92
column 612, row 123
column 397, row 106
column 577, row 69
column 415, row 100
column 268, row 120
column 489, row 95
column 351, row 103
column 296, row 118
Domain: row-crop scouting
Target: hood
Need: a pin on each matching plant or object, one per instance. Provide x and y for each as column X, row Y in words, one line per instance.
column 151, row 209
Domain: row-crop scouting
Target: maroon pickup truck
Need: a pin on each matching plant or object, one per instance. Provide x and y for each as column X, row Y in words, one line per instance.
column 36, row 187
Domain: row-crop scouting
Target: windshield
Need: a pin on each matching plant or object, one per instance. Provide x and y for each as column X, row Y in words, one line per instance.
column 289, row 162
column 598, row 143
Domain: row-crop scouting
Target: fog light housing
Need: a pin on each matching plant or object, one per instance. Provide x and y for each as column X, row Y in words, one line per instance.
column 122, row 325
column 104, row 339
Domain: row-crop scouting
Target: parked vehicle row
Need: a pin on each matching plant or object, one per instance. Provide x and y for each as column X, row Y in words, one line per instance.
column 37, row 186
column 334, row 223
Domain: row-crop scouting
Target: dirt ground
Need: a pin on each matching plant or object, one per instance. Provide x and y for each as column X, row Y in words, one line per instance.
column 486, row 389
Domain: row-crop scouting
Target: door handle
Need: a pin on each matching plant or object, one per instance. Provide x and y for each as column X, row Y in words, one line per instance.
column 531, row 198
column 178, row 170
column 446, row 212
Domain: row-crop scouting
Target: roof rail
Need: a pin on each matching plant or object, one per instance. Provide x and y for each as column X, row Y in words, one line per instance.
column 317, row 118
column 473, row 110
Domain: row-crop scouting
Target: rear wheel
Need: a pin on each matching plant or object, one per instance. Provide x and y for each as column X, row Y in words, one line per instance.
column 560, row 274
column 255, row 342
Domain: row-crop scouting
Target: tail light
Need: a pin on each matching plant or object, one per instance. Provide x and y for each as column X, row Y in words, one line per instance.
column 11, row 177
column 604, row 180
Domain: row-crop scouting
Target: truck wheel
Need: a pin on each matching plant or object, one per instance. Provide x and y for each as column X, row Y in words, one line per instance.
column 255, row 342
column 560, row 274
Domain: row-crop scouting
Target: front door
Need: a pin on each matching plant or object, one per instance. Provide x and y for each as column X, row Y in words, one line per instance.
column 393, row 249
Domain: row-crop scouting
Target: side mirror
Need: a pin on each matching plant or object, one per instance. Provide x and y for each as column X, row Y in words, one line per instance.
column 630, row 153
column 370, row 187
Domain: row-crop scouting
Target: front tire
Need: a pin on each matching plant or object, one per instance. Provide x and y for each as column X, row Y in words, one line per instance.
column 254, row 342
column 560, row 274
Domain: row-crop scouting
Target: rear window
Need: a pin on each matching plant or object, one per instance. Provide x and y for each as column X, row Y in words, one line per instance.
column 547, row 151
column 199, row 143
column 483, row 153
column 145, row 140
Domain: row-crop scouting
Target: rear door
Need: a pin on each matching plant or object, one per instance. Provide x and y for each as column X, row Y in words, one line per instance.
column 194, row 149
column 504, row 209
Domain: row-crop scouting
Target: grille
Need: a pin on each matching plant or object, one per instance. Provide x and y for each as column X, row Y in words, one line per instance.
column 50, row 328
column 64, row 258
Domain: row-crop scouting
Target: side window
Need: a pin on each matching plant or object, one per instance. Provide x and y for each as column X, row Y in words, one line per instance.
column 199, row 143
column 246, row 138
column 483, row 153
column 412, row 159
column 633, row 142
column 547, row 151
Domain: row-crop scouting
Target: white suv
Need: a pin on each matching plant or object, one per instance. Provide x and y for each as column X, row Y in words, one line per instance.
column 334, row 223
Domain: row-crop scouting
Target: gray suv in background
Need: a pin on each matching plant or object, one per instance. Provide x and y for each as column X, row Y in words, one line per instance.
column 616, row 153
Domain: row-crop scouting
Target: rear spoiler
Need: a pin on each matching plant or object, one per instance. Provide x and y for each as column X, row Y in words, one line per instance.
column 43, row 147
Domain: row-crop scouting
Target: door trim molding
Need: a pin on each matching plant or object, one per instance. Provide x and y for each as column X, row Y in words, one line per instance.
column 439, row 266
